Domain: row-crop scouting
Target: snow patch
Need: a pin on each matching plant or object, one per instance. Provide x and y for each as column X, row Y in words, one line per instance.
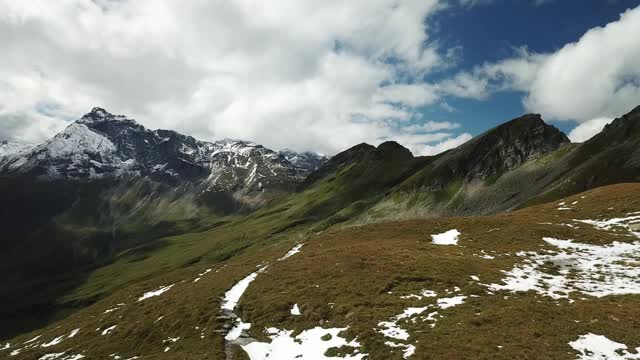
column 625, row 223
column 595, row 270
column 423, row 294
column 446, row 238
column 232, row 296
column 592, row 347
column 61, row 356
column 200, row 275
column 408, row 348
column 32, row 340
column 237, row 330
column 293, row 251
column 108, row 330
column 309, row 345
column 446, row 303
column 295, row 310
column 155, row 292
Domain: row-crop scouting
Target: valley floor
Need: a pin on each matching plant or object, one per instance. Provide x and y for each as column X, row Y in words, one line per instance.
column 555, row 281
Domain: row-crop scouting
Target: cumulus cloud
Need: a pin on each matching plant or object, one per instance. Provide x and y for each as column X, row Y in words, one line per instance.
column 588, row 129
column 596, row 76
column 444, row 145
column 306, row 75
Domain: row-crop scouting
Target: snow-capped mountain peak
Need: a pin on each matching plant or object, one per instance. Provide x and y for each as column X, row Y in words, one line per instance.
column 11, row 148
column 98, row 114
column 305, row 160
column 102, row 145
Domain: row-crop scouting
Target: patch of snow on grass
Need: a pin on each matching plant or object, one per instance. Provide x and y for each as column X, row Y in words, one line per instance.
column 55, row 341
column 424, row 294
column 15, row 352
column 108, row 330
column 32, row 340
column 446, row 303
column 593, row 270
column 310, row 344
column 61, row 356
column 295, row 310
column 592, row 347
column 446, row 238
column 392, row 329
column 155, row 292
column 237, row 330
column 293, row 251
column 625, row 223
column 200, row 275
column 408, row 348
column 232, row 296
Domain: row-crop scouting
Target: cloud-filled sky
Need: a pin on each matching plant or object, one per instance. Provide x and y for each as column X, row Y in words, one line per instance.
column 318, row 75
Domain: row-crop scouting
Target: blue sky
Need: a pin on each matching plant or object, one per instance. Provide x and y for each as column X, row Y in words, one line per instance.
column 489, row 33
column 319, row 75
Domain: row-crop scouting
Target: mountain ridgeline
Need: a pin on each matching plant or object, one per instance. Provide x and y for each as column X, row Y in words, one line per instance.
column 107, row 189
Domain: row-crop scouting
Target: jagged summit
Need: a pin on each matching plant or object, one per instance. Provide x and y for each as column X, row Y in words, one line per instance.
column 395, row 150
column 101, row 145
column 98, row 114
column 511, row 144
column 490, row 154
column 307, row 161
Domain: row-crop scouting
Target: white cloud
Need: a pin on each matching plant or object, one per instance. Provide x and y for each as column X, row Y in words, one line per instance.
column 472, row 3
column 596, row 76
column 301, row 74
column 588, row 129
column 444, row 145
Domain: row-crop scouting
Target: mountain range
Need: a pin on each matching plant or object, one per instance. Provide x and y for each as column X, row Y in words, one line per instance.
column 107, row 204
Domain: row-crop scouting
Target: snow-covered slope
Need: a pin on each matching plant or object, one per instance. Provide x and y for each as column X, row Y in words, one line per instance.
column 11, row 148
column 102, row 145
column 9, row 151
column 306, row 161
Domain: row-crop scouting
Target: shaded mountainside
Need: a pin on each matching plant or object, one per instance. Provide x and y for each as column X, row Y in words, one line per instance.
column 108, row 178
column 106, row 184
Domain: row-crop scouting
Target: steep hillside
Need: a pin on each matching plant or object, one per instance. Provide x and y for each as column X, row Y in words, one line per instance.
column 433, row 288
column 612, row 156
column 519, row 163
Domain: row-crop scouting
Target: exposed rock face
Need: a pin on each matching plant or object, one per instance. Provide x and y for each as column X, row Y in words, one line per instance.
column 305, row 161
column 498, row 150
column 507, row 147
column 102, row 145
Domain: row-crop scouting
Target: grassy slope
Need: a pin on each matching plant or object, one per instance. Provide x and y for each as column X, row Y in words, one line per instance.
column 394, row 257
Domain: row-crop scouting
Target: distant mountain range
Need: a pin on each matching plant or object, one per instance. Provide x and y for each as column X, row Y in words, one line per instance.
column 105, row 146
